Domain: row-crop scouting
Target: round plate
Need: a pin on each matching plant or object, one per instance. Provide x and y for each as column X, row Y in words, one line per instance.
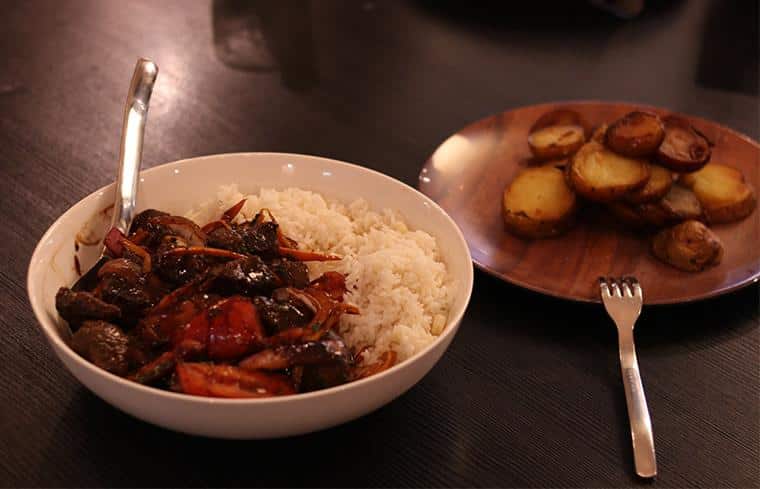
column 467, row 174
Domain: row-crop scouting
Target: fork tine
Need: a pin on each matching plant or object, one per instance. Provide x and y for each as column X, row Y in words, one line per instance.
column 637, row 292
column 627, row 292
column 604, row 287
column 615, row 287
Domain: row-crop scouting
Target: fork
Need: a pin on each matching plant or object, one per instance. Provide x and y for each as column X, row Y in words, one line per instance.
column 622, row 299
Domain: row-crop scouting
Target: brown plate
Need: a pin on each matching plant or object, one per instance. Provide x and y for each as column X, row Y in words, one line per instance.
column 467, row 174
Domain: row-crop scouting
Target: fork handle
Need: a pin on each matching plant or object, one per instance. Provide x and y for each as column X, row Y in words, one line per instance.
column 130, row 152
column 638, row 412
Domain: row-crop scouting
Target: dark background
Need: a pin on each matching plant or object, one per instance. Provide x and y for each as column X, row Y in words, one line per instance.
column 529, row 393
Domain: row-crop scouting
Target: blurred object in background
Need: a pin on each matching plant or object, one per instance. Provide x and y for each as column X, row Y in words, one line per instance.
column 626, row 9
column 728, row 55
column 239, row 41
column 266, row 35
column 288, row 30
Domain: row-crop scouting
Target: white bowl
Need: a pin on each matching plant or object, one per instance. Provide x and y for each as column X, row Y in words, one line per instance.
column 178, row 186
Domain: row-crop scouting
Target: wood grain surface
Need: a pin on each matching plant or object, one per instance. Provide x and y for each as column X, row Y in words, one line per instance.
column 467, row 175
column 529, row 393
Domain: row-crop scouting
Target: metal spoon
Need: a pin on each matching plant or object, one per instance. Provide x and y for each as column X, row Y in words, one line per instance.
column 130, row 156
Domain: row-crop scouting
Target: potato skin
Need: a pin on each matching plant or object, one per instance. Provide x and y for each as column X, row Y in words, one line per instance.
column 658, row 185
column 689, row 246
column 678, row 205
column 600, row 133
column 577, row 173
column 630, row 216
column 636, row 134
column 523, row 226
column 560, row 117
column 555, row 142
column 737, row 212
column 684, row 149
column 551, row 217
column 723, row 193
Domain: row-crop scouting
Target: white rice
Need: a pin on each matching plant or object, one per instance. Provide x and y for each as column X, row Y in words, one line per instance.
column 393, row 274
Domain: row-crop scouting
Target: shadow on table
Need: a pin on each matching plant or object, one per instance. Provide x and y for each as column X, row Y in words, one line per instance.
column 162, row 458
column 566, row 321
column 581, row 337
column 260, row 35
column 728, row 58
column 546, row 19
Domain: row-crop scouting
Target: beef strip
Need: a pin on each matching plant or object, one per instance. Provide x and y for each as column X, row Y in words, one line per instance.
column 141, row 220
column 76, row 307
column 226, row 238
column 123, row 284
column 249, row 276
column 292, row 273
column 282, row 312
column 103, row 344
column 177, row 270
column 259, row 239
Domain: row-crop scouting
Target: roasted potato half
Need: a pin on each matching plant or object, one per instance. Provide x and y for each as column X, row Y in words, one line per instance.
column 598, row 174
column 690, row 246
column 630, row 216
column 554, row 142
column 636, row 134
column 539, row 203
column 600, row 133
column 659, row 183
column 684, row 149
column 723, row 193
column 678, row 205
column 559, row 117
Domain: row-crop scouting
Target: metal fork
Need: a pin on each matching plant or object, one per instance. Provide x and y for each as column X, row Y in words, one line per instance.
column 623, row 298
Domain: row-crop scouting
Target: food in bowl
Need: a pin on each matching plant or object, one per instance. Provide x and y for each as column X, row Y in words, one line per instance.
column 650, row 174
column 239, row 308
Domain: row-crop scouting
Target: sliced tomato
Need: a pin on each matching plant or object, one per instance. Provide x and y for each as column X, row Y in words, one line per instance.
column 234, row 327
column 206, row 379
column 195, row 330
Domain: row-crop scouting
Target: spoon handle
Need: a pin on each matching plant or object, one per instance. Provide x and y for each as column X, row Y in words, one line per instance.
column 130, row 152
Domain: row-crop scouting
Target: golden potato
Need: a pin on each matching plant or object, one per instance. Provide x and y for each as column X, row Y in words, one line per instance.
column 723, row 193
column 598, row 174
column 684, row 149
column 539, row 204
column 555, row 142
column 659, row 183
column 689, row 246
column 636, row 134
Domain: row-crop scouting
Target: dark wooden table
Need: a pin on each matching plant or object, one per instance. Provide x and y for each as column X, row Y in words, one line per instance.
column 529, row 393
